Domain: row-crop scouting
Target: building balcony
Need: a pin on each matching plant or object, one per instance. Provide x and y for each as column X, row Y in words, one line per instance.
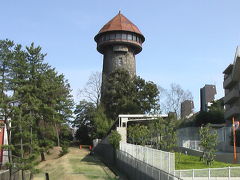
column 231, row 96
column 233, row 111
column 228, row 82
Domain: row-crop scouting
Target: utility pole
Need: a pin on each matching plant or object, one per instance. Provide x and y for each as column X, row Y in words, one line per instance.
column 234, row 142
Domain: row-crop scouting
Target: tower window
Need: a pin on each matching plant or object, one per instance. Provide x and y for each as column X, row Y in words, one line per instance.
column 102, row 38
column 120, row 62
column 118, row 36
column 134, row 38
column 112, row 36
column 137, row 39
column 129, row 37
column 124, row 36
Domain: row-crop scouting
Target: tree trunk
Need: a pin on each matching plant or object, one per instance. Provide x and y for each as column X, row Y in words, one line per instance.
column 43, row 156
column 31, row 133
column 9, row 149
column 31, row 176
column 57, row 134
column 31, row 141
column 21, row 142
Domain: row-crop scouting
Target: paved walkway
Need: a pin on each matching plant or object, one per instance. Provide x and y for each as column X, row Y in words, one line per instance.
column 75, row 165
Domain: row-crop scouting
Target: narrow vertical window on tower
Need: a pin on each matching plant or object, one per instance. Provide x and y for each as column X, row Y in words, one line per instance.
column 120, row 62
column 124, row 36
column 112, row 36
column 118, row 36
column 107, row 37
column 134, row 38
column 137, row 39
column 129, row 37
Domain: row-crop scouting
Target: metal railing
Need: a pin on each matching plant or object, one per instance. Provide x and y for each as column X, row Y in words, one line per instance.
column 137, row 169
column 160, row 159
column 227, row 173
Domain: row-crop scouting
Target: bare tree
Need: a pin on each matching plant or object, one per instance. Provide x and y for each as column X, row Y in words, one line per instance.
column 161, row 97
column 174, row 97
column 92, row 90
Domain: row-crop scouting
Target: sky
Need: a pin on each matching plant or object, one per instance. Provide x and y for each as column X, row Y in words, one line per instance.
column 188, row 42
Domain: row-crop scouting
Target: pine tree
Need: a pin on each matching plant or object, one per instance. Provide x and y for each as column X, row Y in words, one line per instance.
column 42, row 104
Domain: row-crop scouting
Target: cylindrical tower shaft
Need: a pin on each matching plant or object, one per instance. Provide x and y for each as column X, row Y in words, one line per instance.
column 117, row 57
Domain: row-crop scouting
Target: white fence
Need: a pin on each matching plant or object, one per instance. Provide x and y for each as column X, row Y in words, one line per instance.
column 139, row 170
column 228, row 173
column 160, row 159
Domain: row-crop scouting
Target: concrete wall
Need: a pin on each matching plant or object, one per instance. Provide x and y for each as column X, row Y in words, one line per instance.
column 123, row 132
column 185, row 134
column 192, row 134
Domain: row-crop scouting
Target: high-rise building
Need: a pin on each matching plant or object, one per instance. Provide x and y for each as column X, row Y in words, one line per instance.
column 119, row 41
column 187, row 108
column 231, row 86
column 207, row 95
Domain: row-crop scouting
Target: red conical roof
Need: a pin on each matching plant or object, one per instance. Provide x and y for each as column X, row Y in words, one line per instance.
column 120, row 23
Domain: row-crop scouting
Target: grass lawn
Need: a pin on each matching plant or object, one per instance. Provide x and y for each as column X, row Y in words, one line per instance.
column 183, row 161
column 76, row 165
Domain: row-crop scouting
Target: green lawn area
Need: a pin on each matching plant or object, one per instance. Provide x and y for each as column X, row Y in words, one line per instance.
column 183, row 161
column 75, row 165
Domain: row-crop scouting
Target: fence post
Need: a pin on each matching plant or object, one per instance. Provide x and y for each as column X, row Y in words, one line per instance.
column 145, row 168
column 169, row 162
column 193, row 174
column 147, row 155
column 152, row 157
column 160, row 165
column 209, row 173
column 159, row 174
column 47, row 176
column 229, row 173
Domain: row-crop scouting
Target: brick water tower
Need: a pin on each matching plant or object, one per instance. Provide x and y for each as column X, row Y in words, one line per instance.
column 119, row 41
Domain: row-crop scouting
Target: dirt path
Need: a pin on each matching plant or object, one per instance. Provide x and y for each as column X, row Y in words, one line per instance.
column 76, row 165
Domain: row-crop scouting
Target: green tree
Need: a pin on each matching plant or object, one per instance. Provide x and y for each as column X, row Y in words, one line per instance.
column 163, row 133
column 138, row 134
column 215, row 114
column 6, row 58
column 84, row 112
column 208, row 138
column 217, row 105
column 42, row 103
column 125, row 95
column 101, row 123
column 237, row 134
column 114, row 139
column 91, row 121
column 212, row 117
